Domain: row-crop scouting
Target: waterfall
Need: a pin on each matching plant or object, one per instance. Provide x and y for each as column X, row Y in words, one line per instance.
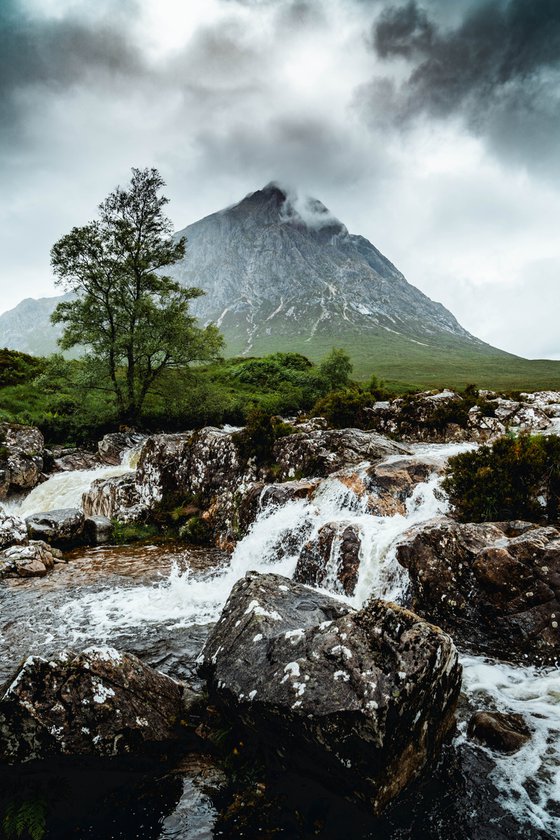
column 65, row 489
column 273, row 544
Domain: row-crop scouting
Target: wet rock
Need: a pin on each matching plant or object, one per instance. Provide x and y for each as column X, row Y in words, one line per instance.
column 112, row 447
column 332, row 558
column 114, row 498
column 446, row 416
column 501, row 731
column 21, row 457
column 63, row 528
column 76, row 459
column 497, row 594
column 99, row 702
column 323, row 452
column 205, row 467
column 390, row 485
column 13, row 530
column 362, row 699
column 98, row 530
column 258, row 496
column 34, row 559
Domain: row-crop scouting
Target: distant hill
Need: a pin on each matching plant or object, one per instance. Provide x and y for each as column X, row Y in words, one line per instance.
column 281, row 272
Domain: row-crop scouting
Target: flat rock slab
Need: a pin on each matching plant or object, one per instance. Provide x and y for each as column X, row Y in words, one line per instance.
column 362, row 700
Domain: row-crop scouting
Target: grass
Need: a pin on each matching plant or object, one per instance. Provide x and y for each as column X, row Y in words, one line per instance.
column 404, row 364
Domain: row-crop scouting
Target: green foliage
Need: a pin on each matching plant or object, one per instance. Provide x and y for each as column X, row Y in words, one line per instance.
column 17, row 368
column 260, row 434
column 131, row 317
column 507, row 480
column 197, row 531
column 124, row 533
column 25, row 819
column 345, row 408
column 336, row 368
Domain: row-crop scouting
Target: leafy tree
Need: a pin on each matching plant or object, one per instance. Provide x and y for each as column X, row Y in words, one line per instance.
column 336, row 368
column 132, row 318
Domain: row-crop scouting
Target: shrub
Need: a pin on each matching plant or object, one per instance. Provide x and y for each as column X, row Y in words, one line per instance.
column 260, row 434
column 515, row 478
column 345, row 409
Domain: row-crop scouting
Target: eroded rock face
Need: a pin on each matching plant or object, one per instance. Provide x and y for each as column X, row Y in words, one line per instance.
column 62, row 528
column 114, row 498
column 21, row 457
column 332, row 558
column 258, row 496
column 361, row 699
column 322, row 452
column 99, row 702
column 495, row 588
column 111, row 447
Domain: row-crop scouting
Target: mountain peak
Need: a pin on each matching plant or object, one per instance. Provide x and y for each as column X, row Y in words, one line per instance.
column 290, row 206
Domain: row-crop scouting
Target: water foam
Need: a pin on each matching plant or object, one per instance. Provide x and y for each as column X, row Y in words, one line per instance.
column 529, row 780
column 65, row 489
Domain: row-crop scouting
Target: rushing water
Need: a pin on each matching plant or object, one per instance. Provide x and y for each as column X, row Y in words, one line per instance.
column 65, row 489
column 158, row 602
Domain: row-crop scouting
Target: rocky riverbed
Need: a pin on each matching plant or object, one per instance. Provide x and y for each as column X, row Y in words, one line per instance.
column 353, row 516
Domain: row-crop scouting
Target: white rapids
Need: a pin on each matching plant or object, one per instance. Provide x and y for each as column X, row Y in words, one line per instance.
column 529, row 781
column 65, row 489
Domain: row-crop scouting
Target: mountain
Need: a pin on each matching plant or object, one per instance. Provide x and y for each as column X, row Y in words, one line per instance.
column 281, row 272
column 27, row 327
column 281, row 268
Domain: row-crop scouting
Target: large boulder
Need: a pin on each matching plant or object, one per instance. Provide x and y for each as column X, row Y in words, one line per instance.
column 21, row 457
column 62, row 528
column 321, row 452
column 69, row 460
column 363, row 700
column 114, row 498
column 99, row 702
column 494, row 586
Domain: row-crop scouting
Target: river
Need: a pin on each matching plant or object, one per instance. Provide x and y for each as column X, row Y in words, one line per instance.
column 159, row 601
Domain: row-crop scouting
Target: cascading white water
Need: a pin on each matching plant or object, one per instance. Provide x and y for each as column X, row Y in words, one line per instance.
column 65, row 489
column 529, row 780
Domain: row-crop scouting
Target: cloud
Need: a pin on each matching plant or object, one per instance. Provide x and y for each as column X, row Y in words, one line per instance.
column 497, row 69
column 383, row 110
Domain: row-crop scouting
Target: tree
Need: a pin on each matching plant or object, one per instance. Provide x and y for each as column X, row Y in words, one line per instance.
column 336, row 368
column 132, row 318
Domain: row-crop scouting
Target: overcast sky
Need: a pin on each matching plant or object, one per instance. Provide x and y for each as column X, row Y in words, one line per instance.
column 431, row 128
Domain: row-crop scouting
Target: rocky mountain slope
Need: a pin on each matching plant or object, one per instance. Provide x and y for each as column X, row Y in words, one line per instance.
column 281, row 272
column 278, row 267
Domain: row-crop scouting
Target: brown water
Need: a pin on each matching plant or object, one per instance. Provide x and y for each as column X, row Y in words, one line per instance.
column 32, row 615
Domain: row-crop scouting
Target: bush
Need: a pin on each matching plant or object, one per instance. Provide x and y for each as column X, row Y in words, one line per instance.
column 345, row 409
column 260, row 434
column 515, row 478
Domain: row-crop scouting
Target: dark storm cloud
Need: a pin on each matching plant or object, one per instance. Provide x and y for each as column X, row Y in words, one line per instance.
column 498, row 68
column 55, row 54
